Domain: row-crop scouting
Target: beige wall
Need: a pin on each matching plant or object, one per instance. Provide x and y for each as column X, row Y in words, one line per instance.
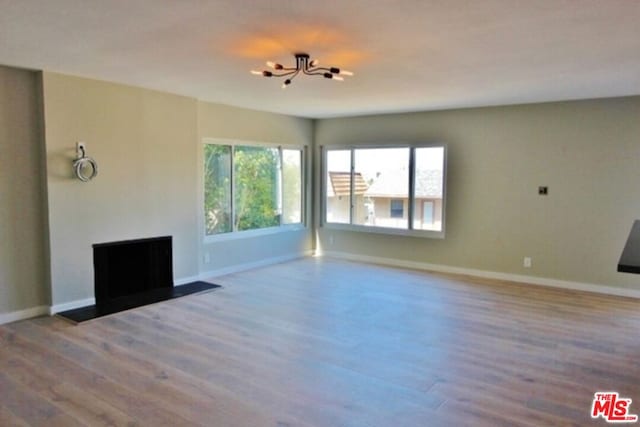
column 149, row 149
column 144, row 143
column 587, row 152
column 148, row 146
column 23, row 263
column 237, row 124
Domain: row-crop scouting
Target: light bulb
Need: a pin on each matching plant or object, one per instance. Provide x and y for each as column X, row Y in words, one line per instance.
column 314, row 63
column 286, row 83
column 346, row 73
column 274, row 65
column 256, row 72
column 340, row 79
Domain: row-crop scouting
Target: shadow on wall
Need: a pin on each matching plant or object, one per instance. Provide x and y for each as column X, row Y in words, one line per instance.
column 60, row 164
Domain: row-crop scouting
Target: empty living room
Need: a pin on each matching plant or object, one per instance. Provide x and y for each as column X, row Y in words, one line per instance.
column 342, row 214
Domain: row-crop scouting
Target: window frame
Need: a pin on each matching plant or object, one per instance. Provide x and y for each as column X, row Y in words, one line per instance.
column 242, row 234
column 409, row 231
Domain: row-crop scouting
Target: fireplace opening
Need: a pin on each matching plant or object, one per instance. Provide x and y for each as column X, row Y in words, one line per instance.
column 126, row 268
column 133, row 273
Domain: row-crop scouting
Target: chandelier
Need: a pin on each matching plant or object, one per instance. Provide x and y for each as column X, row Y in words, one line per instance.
column 304, row 65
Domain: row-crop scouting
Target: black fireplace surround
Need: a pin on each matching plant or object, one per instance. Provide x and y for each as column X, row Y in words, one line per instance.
column 122, row 269
column 133, row 273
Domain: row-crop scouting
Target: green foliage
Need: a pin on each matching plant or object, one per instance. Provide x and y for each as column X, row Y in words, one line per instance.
column 217, row 188
column 255, row 192
column 256, row 181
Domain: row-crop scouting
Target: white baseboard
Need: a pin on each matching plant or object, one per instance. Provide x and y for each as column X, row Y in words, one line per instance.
column 27, row 313
column 519, row 278
column 256, row 264
column 57, row 308
column 71, row 305
column 540, row 281
column 185, row 280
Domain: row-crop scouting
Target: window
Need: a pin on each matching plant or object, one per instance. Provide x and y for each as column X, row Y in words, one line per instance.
column 338, row 188
column 396, row 190
column 385, row 176
column 397, row 208
column 250, row 187
column 291, row 186
column 217, row 188
column 428, row 189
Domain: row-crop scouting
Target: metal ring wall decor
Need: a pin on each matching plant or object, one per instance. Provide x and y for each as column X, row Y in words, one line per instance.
column 81, row 164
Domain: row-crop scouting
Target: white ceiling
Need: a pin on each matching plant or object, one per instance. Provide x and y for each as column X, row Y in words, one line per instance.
column 407, row 55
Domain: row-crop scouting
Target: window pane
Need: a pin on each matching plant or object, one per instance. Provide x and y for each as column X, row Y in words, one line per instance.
column 397, row 208
column 217, row 188
column 291, row 186
column 429, row 174
column 256, row 187
column 338, row 186
column 381, row 187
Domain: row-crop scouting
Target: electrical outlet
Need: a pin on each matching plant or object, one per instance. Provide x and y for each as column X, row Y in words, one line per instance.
column 527, row 262
column 543, row 190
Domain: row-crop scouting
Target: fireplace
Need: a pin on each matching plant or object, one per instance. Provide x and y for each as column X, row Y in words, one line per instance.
column 123, row 269
column 133, row 273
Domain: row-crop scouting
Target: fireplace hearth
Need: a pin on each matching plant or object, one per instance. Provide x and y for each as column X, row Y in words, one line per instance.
column 133, row 273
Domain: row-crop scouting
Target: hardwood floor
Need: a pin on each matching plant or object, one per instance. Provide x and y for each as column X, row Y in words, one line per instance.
column 323, row 342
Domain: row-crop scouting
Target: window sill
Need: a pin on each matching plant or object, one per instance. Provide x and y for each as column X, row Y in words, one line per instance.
column 385, row 230
column 214, row 238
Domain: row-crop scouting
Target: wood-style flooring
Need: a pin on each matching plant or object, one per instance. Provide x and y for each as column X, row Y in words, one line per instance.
column 324, row 342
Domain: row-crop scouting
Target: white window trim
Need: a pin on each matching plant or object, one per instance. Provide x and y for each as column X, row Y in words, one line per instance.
column 384, row 230
column 411, row 201
column 244, row 234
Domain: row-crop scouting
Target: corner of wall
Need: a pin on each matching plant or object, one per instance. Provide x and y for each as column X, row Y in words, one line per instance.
column 43, row 187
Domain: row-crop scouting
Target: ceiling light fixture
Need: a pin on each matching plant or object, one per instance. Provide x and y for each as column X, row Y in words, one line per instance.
column 305, row 65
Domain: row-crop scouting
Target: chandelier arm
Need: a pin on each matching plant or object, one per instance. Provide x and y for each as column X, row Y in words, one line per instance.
column 295, row 74
column 285, row 74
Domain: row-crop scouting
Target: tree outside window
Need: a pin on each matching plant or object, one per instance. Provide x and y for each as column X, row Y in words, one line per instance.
column 251, row 187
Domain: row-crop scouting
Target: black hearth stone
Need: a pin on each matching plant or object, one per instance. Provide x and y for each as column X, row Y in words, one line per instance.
column 137, row 300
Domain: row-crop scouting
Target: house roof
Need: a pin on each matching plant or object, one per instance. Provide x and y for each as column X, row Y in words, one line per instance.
column 340, row 184
column 396, row 184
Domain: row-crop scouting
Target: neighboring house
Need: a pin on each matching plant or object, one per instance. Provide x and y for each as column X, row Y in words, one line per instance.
column 338, row 197
column 389, row 204
column 384, row 201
